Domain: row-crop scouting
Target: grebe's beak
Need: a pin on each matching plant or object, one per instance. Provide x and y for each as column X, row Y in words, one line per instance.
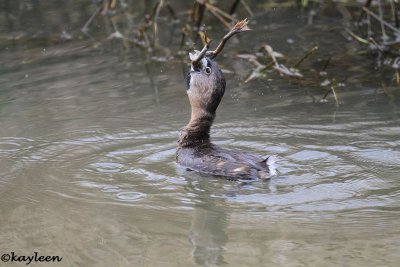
column 199, row 66
column 197, row 58
column 195, row 68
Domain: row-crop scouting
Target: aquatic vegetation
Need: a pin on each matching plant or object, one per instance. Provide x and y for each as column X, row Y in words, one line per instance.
column 378, row 28
column 166, row 30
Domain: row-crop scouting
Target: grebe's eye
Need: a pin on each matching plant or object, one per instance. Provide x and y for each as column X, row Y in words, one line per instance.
column 207, row 70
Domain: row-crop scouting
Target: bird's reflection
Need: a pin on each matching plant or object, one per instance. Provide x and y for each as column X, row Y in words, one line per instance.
column 210, row 220
column 207, row 235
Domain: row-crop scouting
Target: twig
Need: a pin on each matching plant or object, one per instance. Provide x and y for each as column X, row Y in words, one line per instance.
column 159, row 5
column 384, row 35
column 358, row 38
column 240, row 26
column 247, row 7
column 375, row 44
column 310, row 52
column 397, row 76
column 149, row 18
column 394, row 14
column 198, row 11
column 327, row 62
column 146, row 39
column 85, row 27
column 171, row 12
column 185, row 32
column 224, row 17
column 334, row 92
column 270, row 52
column 219, row 11
column 326, row 94
column 220, row 18
column 282, row 69
column 366, row 5
column 375, row 16
column 234, row 6
column 195, row 58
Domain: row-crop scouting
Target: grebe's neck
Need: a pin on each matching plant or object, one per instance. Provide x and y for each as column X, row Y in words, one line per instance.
column 197, row 131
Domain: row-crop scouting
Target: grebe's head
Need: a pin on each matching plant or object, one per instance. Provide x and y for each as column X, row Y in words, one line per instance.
column 205, row 84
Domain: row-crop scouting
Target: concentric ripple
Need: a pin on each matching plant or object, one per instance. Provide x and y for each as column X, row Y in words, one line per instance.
column 138, row 167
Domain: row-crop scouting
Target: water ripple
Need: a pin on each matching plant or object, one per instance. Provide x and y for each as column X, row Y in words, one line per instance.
column 131, row 166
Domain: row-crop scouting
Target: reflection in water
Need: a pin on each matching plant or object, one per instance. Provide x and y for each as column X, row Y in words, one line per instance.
column 209, row 223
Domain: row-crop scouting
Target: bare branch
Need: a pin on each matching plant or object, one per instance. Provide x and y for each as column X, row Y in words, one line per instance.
column 195, row 58
column 239, row 27
column 375, row 16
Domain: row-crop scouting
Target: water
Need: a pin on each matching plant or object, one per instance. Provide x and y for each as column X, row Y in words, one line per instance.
column 87, row 171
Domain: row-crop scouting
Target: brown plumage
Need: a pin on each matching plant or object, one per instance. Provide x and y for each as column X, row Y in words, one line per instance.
column 206, row 86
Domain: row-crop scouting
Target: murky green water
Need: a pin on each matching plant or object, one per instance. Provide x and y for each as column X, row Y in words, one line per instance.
column 87, row 171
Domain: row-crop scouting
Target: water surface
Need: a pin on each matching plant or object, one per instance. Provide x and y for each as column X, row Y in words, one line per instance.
column 87, row 171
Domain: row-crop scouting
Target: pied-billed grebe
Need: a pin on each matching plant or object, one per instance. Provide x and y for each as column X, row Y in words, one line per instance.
column 205, row 88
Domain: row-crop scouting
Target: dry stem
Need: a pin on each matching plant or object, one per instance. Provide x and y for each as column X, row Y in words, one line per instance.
column 240, row 26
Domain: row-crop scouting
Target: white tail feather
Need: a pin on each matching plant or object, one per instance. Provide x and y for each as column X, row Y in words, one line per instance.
column 272, row 166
